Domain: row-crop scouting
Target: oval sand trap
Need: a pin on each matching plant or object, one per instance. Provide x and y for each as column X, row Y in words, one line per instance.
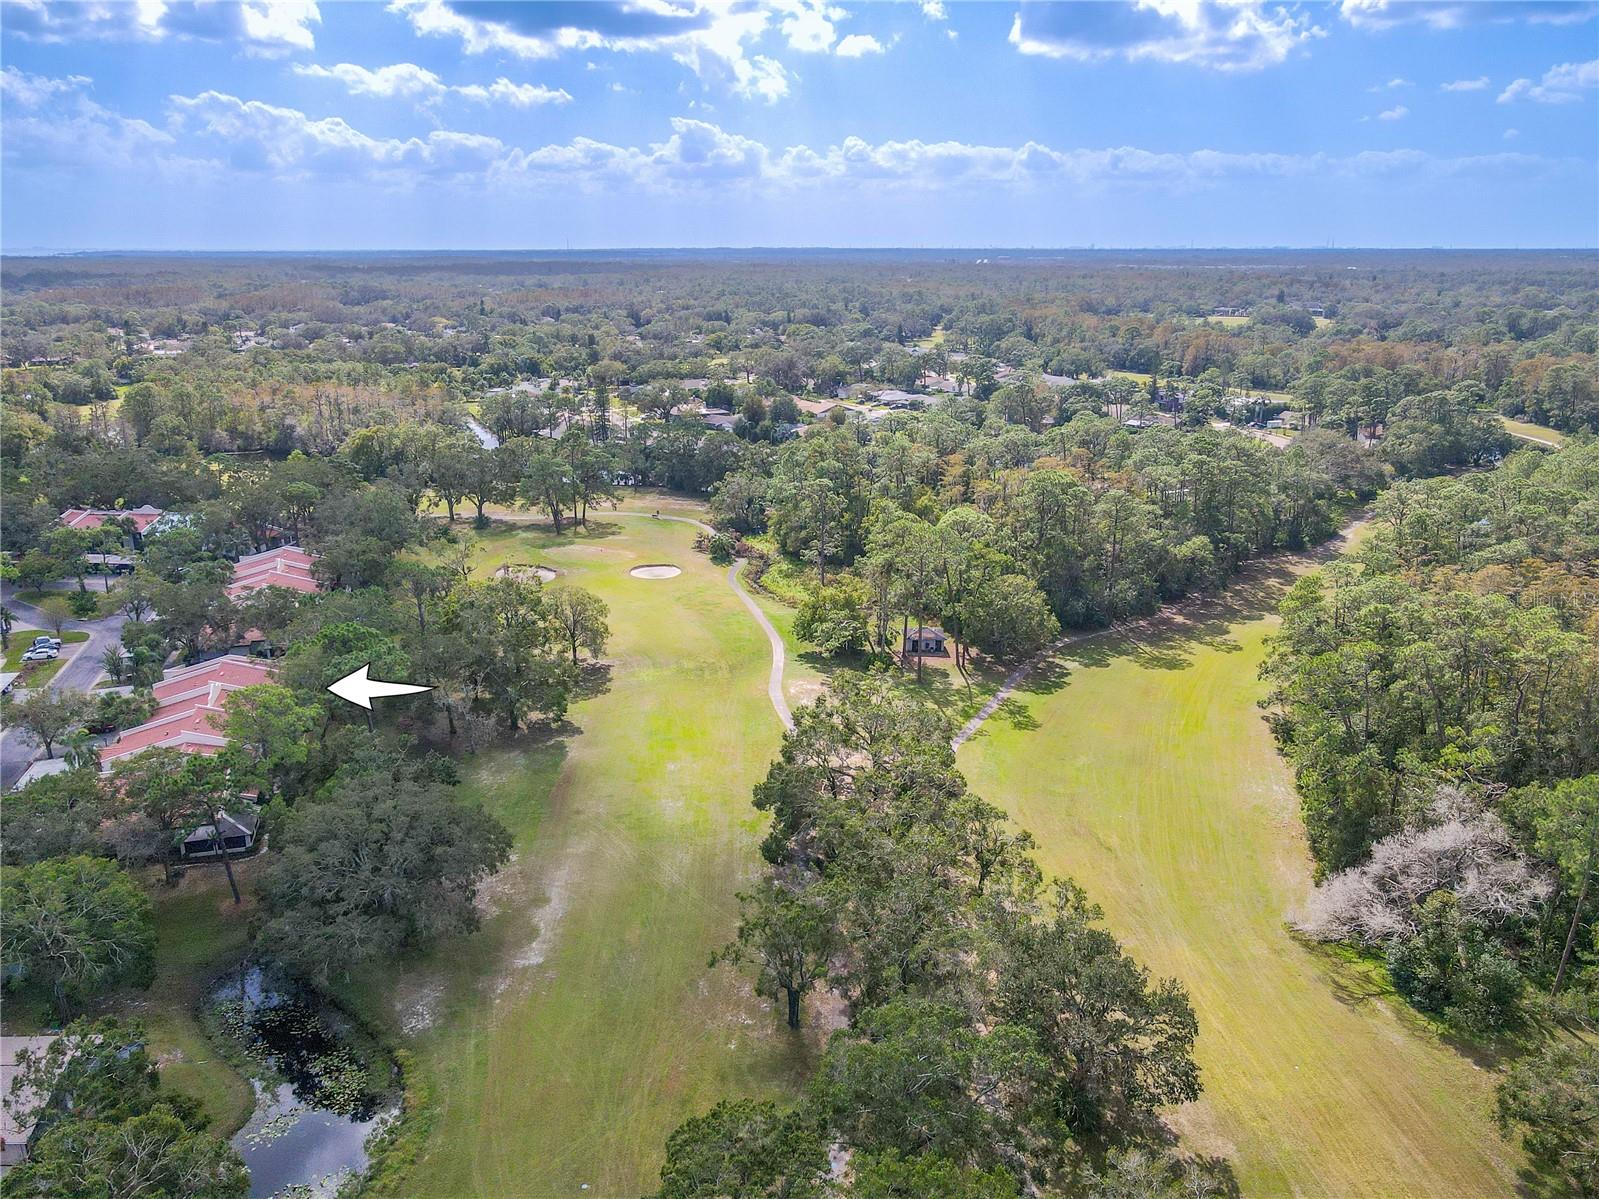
column 658, row 570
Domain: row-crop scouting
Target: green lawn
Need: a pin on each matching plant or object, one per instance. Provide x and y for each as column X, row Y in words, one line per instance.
column 562, row 1042
column 36, row 674
column 199, row 933
column 1144, row 768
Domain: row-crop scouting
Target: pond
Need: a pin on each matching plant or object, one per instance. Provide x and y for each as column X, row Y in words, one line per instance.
column 323, row 1087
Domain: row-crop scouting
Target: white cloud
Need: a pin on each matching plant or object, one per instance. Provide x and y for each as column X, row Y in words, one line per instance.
column 1226, row 35
column 403, row 80
column 934, row 10
column 52, row 122
column 712, row 38
column 32, row 91
column 407, row 81
column 260, row 136
column 258, row 26
column 699, row 153
column 1456, row 14
column 221, row 134
column 517, row 95
column 1397, row 113
column 1512, row 134
column 1480, row 83
column 1392, row 85
column 1563, row 84
column 716, row 39
column 858, row 45
column 808, row 26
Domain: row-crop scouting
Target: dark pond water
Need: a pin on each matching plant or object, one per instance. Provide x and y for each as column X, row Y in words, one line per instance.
column 322, row 1087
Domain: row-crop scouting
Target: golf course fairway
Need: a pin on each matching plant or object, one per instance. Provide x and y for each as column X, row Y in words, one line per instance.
column 559, row 1046
column 1143, row 766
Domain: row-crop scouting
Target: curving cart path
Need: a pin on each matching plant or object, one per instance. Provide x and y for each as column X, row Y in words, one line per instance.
column 774, row 679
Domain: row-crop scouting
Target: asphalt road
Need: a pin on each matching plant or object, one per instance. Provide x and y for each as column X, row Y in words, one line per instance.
column 82, row 669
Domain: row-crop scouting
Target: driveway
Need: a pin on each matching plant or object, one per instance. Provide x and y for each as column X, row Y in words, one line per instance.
column 82, row 669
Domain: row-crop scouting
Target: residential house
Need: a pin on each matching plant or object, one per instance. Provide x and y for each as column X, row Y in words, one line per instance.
column 923, row 641
column 238, row 837
column 287, row 566
column 17, row 1104
column 142, row 517
column 190, row 708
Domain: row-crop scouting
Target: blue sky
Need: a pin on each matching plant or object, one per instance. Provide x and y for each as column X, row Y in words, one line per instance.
column 472, row 124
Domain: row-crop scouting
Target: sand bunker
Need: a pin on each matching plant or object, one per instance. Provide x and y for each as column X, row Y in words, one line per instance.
column 526, row 571
column 656, row 570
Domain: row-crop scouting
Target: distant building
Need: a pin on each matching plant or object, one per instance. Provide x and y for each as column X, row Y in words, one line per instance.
column 894, row 398
column 142, row 517
column 922, row 641
column 238, row 837
column 287, row 566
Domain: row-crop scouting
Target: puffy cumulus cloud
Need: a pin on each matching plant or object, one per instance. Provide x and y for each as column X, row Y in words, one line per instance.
column 259, row 136
column 517, row 95
column 1480, row 83
column 1397, row 113
column 1226, row 35
column 809, row 27
column 1563, row 84
column 716, row 39
column 700, row 154
column 710, row 38
column 259, row 26
column 1393, row 84
column 1456, row 14
column 32, row 91
column 403, row 80
column 407, row 81
column 934, row 10
column 859, row 45
column 49, row 123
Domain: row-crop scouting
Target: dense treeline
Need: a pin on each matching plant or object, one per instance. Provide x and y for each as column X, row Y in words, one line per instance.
column 962, row 516
column 250, row 354
column 1438, row 695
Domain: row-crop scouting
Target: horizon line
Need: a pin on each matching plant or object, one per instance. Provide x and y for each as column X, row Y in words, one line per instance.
column 566, row 251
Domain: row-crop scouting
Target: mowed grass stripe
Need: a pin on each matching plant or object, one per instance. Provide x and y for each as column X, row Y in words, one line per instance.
column 581, row 1024
column 1165, row 797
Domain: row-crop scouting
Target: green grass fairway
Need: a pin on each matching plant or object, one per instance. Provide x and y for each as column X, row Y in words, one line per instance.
column 1143, row 766
column 562, row 1042
column 1528, row 431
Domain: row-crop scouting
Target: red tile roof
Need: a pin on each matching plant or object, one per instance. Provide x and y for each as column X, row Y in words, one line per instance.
column 191, row 708
column 92, row 518
column 288, row 566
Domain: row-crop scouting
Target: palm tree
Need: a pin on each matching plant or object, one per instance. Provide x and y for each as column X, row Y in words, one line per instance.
column 81, row 752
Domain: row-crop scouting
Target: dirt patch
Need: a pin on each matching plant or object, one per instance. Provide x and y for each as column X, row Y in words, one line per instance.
column 557, row 894
column 527, row 572
column 417, row 1003
column 656, row 570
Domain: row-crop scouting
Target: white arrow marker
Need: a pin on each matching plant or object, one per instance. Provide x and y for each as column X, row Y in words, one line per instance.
column 361, row 691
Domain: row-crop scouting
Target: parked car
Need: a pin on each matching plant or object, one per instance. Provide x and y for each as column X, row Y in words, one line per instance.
column 51, row 642
column 42, row 653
